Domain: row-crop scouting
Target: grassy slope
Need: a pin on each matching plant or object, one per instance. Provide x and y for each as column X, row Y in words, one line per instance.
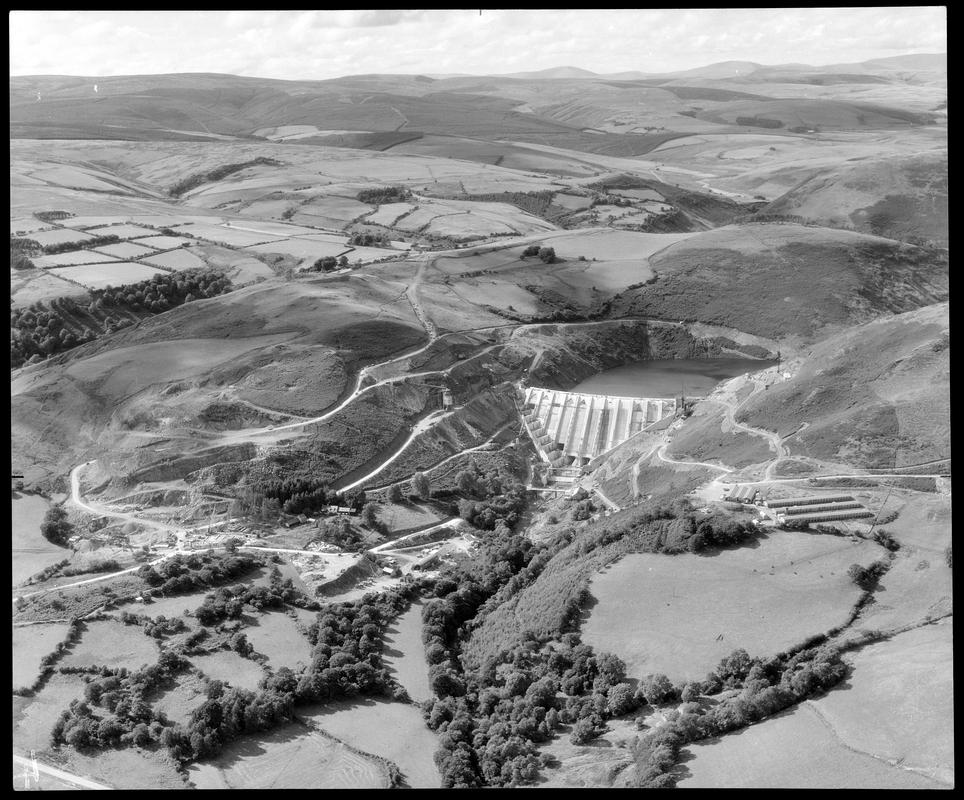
column 898, row 198
column 779, row 280
column 866, row 391
column 96, row 382
column 703, row 439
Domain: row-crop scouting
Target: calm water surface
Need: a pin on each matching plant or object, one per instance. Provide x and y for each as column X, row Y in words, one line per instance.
column 667, row 377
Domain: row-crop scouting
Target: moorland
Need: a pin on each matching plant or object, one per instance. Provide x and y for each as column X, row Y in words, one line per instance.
column 275, row 499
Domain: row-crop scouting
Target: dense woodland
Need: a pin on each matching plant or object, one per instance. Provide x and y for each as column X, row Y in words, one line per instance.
column 493, row 710
column 216, row 174
column 346, row 639
column 45, row 329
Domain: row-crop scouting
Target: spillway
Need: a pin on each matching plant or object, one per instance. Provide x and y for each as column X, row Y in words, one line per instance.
column 569, row 429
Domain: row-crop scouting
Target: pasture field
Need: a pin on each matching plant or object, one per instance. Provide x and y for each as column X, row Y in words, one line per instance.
column 269, row 228
column 168, row 606
column 162, row 242
column 395, row 731
column 35, row 285
column 127, row 768
column 404, row 653
column 498, row 293
column 179, row 702
column 126, row 250
column 629, row 220
column 423, row 214
column 610, row 245
column 114, row 273
column 275, row 634
column 73, row 258
column 793, row 750
column 449, row 311
column 34, row 717
column 334, row 207
column 30, row 551
column 232, row 237
column 405, row 516
column 60, row 236
column 301, row 248
column 72, row 177
column 640, row 194
column 21, row 226
column 93, row 220
column 919, row 584
column 584, row 278
column 468, row 225
column 229, row 667
column 573, row 202
column 652, row 609
column 357, row 255
column 290, row 757
column 604, row 762
column 334, row 238
column 389, row 212
column 265, row 209
column 179, row 259
column 241, row 269
column 113, row 644
column 30, row 644
column 898, row 704
column 124, row 231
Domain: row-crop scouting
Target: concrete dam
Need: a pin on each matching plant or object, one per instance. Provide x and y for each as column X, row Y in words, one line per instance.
column 569, row 429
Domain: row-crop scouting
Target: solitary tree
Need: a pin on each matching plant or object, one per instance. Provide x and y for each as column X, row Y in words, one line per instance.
column 420, row 485
column 55, row 527
column 369, row 514
column 394, row 493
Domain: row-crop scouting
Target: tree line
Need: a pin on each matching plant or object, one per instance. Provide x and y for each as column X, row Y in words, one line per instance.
column 43, row 329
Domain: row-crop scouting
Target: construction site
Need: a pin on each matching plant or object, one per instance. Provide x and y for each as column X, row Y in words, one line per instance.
column 570, row 429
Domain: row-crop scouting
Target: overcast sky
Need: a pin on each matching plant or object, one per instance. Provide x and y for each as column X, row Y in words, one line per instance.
column 328, row 44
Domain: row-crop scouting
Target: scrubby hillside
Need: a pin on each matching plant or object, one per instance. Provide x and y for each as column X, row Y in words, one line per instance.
column 877, row 395
column 900, row 198
column 785, row 280
column 157, row 376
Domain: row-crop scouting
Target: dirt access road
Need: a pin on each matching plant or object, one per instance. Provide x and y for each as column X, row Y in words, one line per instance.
column 34, row 768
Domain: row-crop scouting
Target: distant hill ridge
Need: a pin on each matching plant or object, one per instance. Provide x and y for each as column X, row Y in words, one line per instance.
column 721, row 69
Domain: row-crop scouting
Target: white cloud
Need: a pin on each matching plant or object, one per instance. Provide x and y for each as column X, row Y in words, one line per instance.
column 325, row 44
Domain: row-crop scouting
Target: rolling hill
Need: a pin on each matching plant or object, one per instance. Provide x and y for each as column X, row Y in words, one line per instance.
column 876, row 395
column 900, row 198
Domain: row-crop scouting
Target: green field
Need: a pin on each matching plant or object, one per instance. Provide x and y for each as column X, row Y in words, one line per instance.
column 229, row 667
column 404, row 653
column 30, row 644
column 112, row 644
column 274, row 634
column 652, row 610
column 30, row 551
column 395, row 731
column 291, row 757
column 889, row 727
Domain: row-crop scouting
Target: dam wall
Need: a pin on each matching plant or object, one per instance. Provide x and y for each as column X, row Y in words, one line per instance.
column 569, row 429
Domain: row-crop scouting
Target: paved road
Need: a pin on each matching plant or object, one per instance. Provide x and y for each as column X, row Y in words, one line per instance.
column 449, row 523
column 444, row 461
column 420, row 427
column 84, row 783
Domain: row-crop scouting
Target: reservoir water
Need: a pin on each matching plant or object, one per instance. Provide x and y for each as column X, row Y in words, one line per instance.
column 667, row 377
